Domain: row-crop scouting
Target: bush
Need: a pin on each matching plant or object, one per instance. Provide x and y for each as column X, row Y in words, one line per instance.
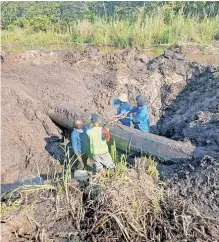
column 19, row 23
column 40, row 23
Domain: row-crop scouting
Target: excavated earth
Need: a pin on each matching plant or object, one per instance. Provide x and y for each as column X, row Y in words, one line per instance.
column 183, row 102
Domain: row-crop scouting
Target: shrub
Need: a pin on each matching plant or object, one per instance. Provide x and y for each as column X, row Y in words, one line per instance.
column 40, row 23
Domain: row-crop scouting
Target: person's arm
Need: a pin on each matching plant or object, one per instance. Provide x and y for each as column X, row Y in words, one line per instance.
column 86, row 140
column 147, row 116
column 105, row 134
column 116, row 102
column 133, row 110
column 126, row 111
column 130, row 111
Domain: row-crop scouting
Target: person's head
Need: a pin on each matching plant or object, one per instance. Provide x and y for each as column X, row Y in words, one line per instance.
column 78, row 123
column 123, row 98
column 95, row 119
column 141, row 100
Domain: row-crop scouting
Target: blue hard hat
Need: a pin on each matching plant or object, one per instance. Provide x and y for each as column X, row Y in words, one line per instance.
column 94, row 117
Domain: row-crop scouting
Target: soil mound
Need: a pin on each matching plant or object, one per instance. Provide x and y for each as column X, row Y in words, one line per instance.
column 199, row 182
column 194, row 194
column 194, row 113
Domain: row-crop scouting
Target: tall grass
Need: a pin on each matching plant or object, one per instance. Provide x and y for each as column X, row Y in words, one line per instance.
column 142, row 32
column 122, row 202
column 25, row 36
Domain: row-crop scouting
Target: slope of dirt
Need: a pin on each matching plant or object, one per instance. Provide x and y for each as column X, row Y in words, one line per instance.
column 198, row 182
column 182, row 98
column 194, row 114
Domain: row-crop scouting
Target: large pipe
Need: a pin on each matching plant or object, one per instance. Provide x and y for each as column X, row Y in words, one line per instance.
column 135, row 141
column 129, row 139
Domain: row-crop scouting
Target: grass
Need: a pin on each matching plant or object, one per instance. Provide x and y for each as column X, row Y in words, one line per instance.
column 141, row 33
column 129, row 204
column 24, row 36
column 119, row 200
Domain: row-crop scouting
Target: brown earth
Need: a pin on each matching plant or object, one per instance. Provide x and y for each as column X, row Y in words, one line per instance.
column 183, row 98
column 183, row 101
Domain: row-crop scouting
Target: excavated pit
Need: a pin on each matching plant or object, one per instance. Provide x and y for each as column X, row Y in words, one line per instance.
column 183, row 99
column 183, row 102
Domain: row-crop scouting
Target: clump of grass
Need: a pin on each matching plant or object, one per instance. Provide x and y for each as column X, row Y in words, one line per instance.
column 113, row 151
column 159, row 51
column 124, row 205
column 152, row 169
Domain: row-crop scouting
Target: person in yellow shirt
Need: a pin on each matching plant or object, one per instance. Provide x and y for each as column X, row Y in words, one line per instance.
column 98, row 145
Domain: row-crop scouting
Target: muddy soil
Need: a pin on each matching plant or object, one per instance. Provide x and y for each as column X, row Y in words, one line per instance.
column 183, row 101
column 188, row 209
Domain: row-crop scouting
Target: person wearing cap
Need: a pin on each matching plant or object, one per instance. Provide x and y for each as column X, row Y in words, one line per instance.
column 123, row 107
column 98, row 145
column 80, row 143
column 140, row 116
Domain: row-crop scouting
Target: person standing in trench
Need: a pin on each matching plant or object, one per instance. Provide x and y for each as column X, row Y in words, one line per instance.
column 123, row 106
column 140, row 116
column 99, row 150
column 80, row 143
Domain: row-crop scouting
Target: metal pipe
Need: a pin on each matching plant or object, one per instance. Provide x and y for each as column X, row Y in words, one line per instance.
column 129, row 139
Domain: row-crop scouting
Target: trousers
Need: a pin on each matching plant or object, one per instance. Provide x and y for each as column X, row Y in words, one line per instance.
column 104, row 160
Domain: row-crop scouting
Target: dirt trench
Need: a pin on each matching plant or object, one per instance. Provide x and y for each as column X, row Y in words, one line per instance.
column 183, row 99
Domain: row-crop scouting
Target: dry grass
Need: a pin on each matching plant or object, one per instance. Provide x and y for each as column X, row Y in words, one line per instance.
column 127, row 204
column 113, row 206
column 127, row 197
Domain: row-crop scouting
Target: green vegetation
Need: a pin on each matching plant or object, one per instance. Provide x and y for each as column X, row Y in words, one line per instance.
column 124, row 200
column 129, row 204
column 123, row 24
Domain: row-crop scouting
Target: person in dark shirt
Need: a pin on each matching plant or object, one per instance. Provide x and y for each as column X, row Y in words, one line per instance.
column 140, row 117
column 139, row 114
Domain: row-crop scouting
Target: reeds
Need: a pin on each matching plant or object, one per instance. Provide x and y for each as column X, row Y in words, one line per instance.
column 142, row 32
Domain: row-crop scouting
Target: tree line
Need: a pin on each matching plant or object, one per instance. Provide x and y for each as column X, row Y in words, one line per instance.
column 43, row 16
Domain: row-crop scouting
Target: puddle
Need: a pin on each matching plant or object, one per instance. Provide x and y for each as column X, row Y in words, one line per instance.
column 151, row 52
column 5, row 188
column 212, row 59
column 204, row 58
column 46, row 47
